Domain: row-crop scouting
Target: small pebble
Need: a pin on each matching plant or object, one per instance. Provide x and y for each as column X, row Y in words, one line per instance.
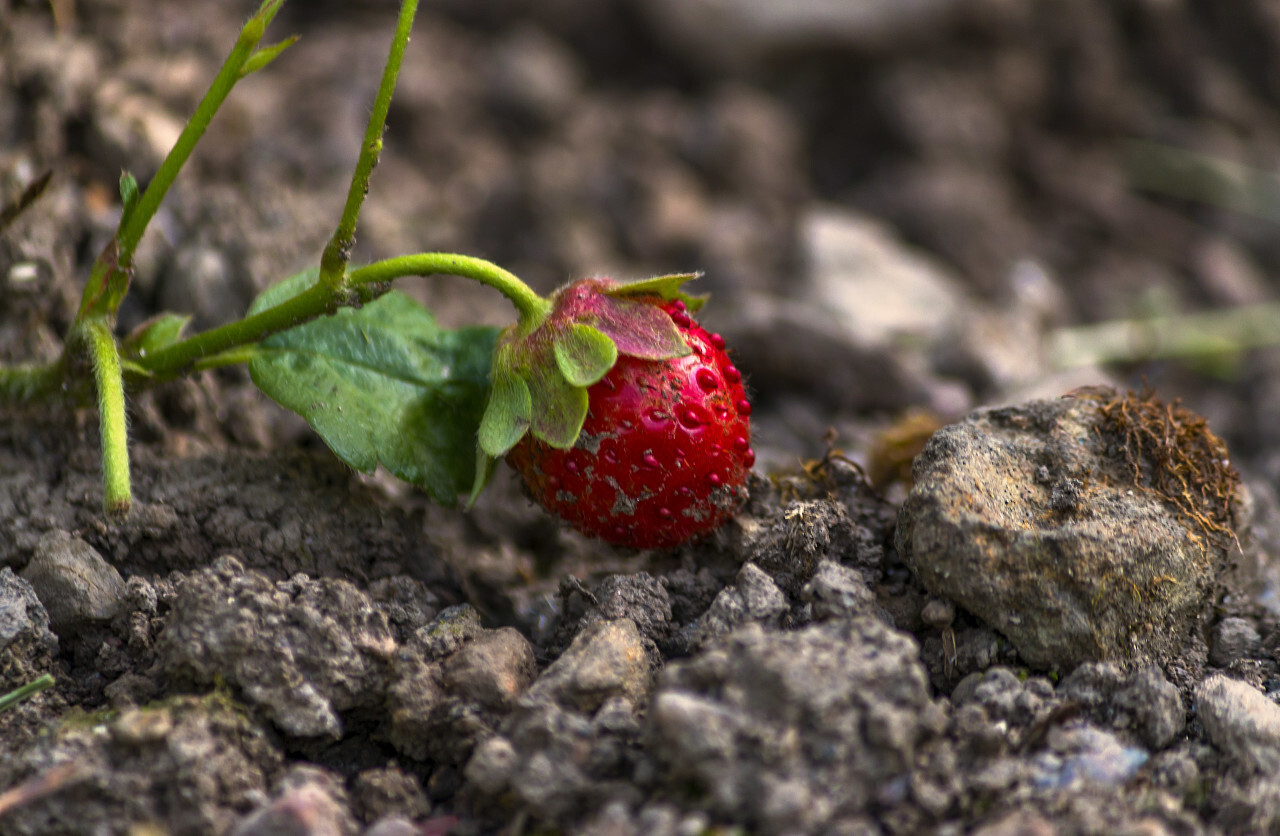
column 1241, row 722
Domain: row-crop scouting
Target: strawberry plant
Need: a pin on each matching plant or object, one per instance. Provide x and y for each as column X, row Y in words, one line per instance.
column 623, row 415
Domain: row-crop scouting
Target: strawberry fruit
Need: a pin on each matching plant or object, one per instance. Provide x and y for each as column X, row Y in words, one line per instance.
column 623, row 415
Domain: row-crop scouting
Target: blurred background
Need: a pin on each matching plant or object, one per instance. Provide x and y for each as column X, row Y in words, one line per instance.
column 903, row 207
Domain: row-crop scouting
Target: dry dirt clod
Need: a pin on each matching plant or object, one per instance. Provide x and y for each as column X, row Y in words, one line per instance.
column 1082, row 528
column 211, row 757
column 789, row 731
column 300, row 650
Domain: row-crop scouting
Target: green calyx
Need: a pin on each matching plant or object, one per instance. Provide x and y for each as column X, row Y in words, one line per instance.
column 544, row 364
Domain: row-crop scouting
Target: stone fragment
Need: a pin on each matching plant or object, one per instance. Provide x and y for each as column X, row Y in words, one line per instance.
column 1029, row 517
column 1234, row 638
column 195, row 764
column 753, row 597
column 608, row 659
column 492, row 670
column 26, row 643
column 739, row 35
column 1241, row 722
column 639, row 598
column 1153, row 706
column 76, row 585
column 837, row 591
column 1142, row 701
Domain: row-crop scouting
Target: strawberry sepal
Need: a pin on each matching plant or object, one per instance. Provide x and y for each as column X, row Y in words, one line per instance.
column 665, row 287
column 543, row 367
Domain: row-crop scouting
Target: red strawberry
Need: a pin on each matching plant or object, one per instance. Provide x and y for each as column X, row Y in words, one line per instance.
column 638, row 421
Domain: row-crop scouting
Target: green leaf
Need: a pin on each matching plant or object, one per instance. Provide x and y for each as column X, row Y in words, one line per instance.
column 160, row 331
column 383, row 384
column 129, row 195
column 584, row 354
column 284, row 290
column 263, row 56
column 507, row 415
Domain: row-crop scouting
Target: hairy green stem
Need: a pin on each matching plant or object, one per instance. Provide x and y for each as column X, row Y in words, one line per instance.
column 530, row 305
column 108, row 280
column 107, row 374
column 209, row 347
column 178, row 358
column 131, row 233
column 333, row 263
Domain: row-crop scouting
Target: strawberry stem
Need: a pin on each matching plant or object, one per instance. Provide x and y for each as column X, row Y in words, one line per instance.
column 531, row 307
column 319, row 300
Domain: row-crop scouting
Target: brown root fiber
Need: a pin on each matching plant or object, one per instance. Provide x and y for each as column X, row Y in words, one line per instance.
column 1172, row 452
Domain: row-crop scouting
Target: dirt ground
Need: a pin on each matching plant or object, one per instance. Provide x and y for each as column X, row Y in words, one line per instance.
column 897, row 206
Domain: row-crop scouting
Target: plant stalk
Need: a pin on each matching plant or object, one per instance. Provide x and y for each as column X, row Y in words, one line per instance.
column 319, row 300
column 109, row 278
column 19, row 694
column 337, row 253
column 107, row 374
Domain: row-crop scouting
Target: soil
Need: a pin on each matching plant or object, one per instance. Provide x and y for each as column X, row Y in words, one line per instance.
column 272, row 643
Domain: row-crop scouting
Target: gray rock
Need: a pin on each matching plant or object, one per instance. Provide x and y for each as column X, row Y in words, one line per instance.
column 1114, row 575
column 27, row 645
column 310, row 802
column 836, row 591
column 785, row 732
column 209, row 281
column 548, row 760
column 492, row 765
column 830, row 364
column 790, row 543
column 608, row 659
column 938, row 613
column 1085, row 755
column 492, row 670
column 1142, row 701
column 388, row 792
column 1153, row 706
column 1092, row 684
column 301, row 650
column 76, row 585
column 448, row 631
column 417, row 711
column 753, row 597
column 640, row 598
column 439, row 708
column 883, row 292
column 22, row 617
column 1241, row 722
column 1234, row 638
column 533, row 76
